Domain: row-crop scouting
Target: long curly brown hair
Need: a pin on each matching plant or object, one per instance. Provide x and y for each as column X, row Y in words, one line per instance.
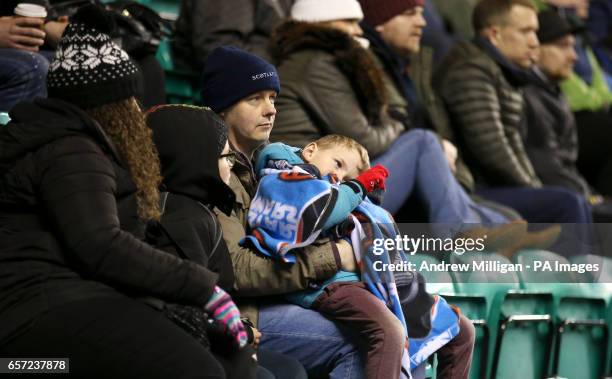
column 124, row 123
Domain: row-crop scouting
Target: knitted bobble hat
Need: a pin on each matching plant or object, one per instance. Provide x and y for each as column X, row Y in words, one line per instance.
column 326, row 10
column 378, row 12
column 89, row 69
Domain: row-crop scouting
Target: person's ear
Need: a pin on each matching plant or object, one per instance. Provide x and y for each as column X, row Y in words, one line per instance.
column 379, row 28
column 309, row 151
column 492, row 34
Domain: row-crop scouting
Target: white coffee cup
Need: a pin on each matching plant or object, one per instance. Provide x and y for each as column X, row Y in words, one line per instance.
column 30, row 10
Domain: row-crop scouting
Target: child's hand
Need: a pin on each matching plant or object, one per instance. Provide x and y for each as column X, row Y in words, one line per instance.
column 373, row 178
column 256, row 337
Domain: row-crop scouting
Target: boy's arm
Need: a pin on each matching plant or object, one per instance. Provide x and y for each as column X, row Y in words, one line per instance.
column 350, row 195
column 354, row 191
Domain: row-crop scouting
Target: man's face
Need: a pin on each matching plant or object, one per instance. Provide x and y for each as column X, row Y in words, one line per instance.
column 515, row 36
column 558, row 57
column 403, row 32
column 250, row 120
column 340, row 161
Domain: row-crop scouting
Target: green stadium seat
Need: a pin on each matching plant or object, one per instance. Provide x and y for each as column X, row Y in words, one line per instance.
column 580, row 314
column 4, row 118
column 599, row 283
column 167, row 9
column 181, row 85
column 515, row 319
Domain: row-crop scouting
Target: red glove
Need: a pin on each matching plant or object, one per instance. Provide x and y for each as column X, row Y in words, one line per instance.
column 373, row 178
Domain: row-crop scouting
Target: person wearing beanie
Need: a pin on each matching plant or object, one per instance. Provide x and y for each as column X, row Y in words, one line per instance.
column 491, row 72
column 79, row 178
column 285, row 327
column 196, row 164
column 553, row 139
column 332, row 85
column 367, row 95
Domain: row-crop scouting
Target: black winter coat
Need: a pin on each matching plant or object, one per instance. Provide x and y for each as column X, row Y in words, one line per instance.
column 62, row 189
column 552, row 137
column 189, row 141
column 482, row 91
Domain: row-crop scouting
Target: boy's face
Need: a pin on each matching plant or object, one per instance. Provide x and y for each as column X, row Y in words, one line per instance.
column 250, row 120
column 340, row 161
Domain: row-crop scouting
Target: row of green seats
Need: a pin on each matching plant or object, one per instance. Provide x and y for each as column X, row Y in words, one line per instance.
column 515, row 316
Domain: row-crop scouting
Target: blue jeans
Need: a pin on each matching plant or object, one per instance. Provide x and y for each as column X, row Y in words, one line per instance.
column 322, row 346
column 416, row 161
column 22, row 77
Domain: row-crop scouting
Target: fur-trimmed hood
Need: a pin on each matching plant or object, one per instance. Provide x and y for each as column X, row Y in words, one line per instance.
column 352, row 59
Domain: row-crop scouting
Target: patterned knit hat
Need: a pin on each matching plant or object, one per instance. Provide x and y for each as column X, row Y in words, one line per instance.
column 89, row 69
column 378, row 12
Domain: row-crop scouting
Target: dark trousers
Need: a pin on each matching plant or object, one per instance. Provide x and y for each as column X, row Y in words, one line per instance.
column 542, row 205
column 455, row 358
column 352, row 304
column 355, row 306
column 549, row 205
column 122, row 338
column 273, row 365
column 595, row 149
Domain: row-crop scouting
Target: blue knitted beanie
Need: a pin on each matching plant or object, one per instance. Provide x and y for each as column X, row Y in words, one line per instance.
column 231, row 74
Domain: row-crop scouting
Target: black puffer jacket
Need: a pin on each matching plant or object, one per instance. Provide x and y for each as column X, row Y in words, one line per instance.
column 61, row 184
column 552, row 137
column 482, row 91
column 185, row 138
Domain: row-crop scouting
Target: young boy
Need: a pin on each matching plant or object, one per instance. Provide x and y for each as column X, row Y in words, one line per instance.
column 305, row 192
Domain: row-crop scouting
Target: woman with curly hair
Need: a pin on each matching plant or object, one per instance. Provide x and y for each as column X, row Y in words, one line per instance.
column 78, row 177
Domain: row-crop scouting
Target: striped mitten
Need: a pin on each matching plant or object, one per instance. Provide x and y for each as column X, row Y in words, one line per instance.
column 223, row 310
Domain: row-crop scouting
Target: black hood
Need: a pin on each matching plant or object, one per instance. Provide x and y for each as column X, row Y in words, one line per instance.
column 35, row 124
column 186, row 138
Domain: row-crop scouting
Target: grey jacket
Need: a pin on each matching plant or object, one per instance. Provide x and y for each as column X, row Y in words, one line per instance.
column 204, row 25
column 330, row 85
column 485, row 103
